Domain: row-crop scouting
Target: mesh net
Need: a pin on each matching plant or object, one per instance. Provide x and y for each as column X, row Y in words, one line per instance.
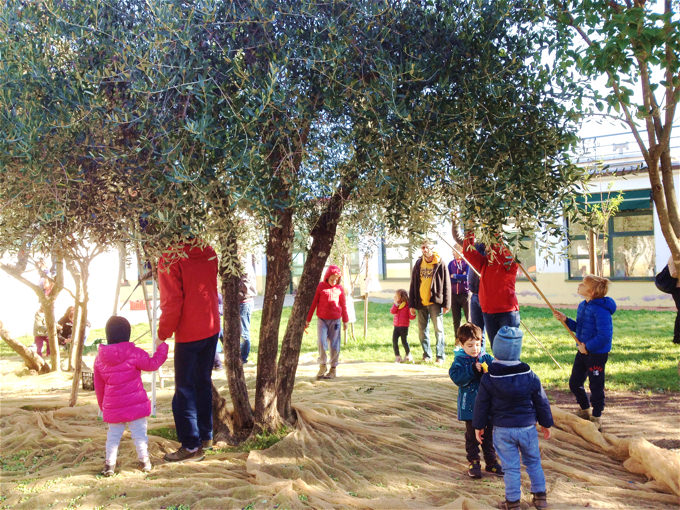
column 380, row 436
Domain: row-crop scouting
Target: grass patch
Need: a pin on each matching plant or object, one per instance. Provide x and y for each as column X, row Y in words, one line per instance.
column 643, row 357
column 164, row 432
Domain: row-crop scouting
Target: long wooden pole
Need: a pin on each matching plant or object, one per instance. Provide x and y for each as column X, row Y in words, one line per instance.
column 521, row 322
column 548, row 302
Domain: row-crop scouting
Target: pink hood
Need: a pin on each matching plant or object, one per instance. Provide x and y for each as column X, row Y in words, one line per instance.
column 331, row 271
column 118, row 380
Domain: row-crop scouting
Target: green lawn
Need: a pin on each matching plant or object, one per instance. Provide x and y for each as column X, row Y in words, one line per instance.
column 643, row 356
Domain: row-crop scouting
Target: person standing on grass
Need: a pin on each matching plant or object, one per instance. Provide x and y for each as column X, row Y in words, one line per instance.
column 430, row 297
column 676, row 297
column 402, row 318
column 330, row 306
column 247, row 291
column 187, row 280
column 497, row 298
column 458, row 272
column 594, row 328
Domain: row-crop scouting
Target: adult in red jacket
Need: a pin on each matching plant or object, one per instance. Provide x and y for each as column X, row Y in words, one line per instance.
column 497, row 296
column 187, row 279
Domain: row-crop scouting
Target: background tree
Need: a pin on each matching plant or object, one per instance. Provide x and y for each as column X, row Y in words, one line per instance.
column 632, row 44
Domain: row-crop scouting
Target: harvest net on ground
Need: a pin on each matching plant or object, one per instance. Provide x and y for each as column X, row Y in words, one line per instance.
column 380, row 436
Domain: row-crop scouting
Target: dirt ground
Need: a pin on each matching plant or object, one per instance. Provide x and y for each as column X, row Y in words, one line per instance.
column 380, row 436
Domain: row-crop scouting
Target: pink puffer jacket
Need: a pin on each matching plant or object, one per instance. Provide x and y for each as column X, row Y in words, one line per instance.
column 118, row 380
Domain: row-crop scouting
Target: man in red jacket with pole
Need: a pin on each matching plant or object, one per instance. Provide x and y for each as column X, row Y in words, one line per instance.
column 187, row 279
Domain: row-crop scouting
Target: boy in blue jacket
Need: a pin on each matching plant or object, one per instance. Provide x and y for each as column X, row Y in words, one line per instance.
column 593, row 327
column 512, row 399
column 469, row 364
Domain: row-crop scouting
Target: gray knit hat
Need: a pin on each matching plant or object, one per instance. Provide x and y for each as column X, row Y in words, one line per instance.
column 508, row 343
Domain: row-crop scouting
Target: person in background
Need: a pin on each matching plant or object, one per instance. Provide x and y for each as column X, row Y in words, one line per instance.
column 40, row 333
column 65, row 326
column 246, row 293
column 402, row 318
column 458, row 272
column 330, row 306
column 430, row 297
column 676, row 298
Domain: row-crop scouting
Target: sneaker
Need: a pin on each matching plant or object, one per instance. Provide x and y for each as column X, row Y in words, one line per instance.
column 584, row 414
column 426, row 358
column 330, row 374
column 109, row 470
column 494, row 469
column 440, row 361
column 509, row 505
column 322, row 372
column 398, row 359
column 475, row 469
column 145, row 465
column 407, row 359
column 183, row 454
column 597, row 420
column 539, row 499
column 207, row 444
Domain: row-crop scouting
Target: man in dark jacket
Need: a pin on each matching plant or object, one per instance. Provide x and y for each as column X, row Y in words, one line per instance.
column 430, row 295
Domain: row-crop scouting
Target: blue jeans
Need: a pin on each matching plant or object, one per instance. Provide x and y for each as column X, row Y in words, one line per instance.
column 509, row 443
column 244, row 310
column 328, row 331
column 434, row 312
column 495, row 321
column 192, row 402
column 476, row 316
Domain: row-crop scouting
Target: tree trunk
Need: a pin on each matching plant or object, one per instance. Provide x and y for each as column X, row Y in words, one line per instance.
column 121, row 276
column 242, row 416
column 323, row 235
column 279, row 258
column 32, row 360
column 78, row 336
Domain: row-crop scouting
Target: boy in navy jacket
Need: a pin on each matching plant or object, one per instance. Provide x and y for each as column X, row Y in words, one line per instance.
column 511, row 398
column 593, row 327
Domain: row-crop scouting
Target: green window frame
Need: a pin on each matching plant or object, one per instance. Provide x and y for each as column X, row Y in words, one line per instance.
column 630, row 248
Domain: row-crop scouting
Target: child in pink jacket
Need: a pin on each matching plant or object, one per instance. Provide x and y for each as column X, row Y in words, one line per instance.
column 120, row 393
column 402, row 318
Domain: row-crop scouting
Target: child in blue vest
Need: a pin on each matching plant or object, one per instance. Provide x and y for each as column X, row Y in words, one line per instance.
column 512, row 399
column 593, row 327
column 469, row 364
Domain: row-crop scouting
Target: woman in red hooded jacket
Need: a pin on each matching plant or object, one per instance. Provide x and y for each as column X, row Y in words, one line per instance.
column 329, row 303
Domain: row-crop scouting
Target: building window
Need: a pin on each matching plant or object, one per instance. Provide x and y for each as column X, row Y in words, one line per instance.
column 396, row 260
column 626, row 250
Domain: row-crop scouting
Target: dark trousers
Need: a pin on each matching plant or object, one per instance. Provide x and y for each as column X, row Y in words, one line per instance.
column 192, row 402
column 495, row 321
column 459, row 302
column 590, row 366
column 472, row 446
column 676, row 331
column 400, row 332
column 476, row 316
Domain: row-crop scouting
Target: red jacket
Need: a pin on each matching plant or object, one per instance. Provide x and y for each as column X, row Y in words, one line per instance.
column 188, row 286
column 329, row 301
column 402, row 316
column 118, row 380
column 498, row 271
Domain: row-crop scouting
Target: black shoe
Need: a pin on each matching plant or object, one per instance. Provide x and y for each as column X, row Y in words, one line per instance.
column 494, row 469
column 475, row 469
column 183, row 455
